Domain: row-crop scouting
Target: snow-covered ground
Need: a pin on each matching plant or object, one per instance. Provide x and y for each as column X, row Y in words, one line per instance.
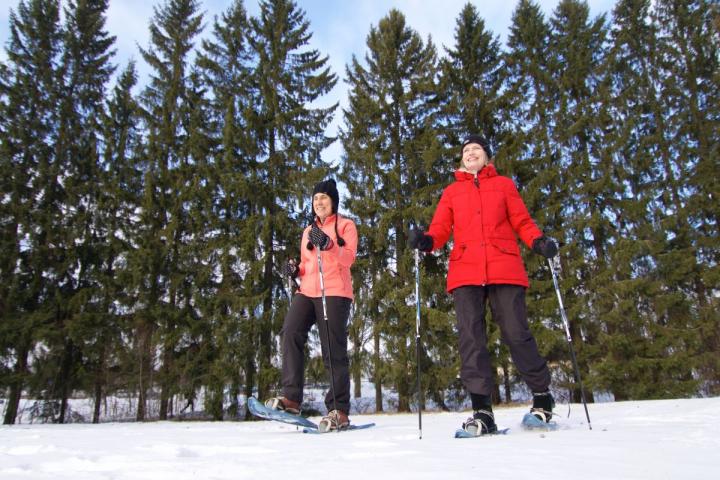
column 666, row 439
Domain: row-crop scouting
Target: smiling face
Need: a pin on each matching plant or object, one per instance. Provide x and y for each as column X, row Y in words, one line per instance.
column 322, row 205
column 474, row 157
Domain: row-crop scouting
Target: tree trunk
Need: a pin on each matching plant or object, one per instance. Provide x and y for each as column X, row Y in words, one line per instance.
column 65, row 378
column 145, row 357
column 16, row 384
column 249, row 376
column 439, row 398
column 403, row 385
column 506, row 382
column 166, row 383
column 377, row 367
column 99, row 388
column 234, row 409
column 357, row 371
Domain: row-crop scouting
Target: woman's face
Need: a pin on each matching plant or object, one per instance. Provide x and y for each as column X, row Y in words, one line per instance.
column 474, row 157
column 322, row 204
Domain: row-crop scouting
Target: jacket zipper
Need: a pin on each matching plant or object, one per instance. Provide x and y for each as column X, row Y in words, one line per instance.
column 476, row 181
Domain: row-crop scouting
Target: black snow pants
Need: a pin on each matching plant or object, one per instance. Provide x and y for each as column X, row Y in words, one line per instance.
column 303, row 313
column 507, row 304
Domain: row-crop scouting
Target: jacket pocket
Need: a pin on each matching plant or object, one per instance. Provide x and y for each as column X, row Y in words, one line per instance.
column 506, row 245
column 457, row 252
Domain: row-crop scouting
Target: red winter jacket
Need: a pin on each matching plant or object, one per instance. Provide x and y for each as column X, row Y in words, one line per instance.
column 484, row 213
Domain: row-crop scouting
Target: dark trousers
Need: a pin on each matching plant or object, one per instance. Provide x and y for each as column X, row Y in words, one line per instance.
column 507, row 304
column 303, row 313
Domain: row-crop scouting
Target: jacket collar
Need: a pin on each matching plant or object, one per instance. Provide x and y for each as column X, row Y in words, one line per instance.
column 488, row 171
column 328, row 221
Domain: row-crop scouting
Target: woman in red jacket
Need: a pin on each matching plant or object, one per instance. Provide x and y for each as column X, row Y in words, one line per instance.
column 336, row 239
column 484, row 212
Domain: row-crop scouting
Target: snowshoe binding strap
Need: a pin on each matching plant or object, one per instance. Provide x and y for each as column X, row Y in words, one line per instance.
column 481, row 423
column 335, row 420
column 541, row 414
column 284, row 405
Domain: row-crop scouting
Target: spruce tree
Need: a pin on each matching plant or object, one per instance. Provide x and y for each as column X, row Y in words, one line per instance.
column 121, row 180
column 528, row 89
column 470, row 81
column 225, row 65
column 577, row 46
column 632, row 121
column 30, row 216
column 197, row 349
column 688, row 58
column 288, row 138
column 393, row 172
column 85, row 70
column 159, row 268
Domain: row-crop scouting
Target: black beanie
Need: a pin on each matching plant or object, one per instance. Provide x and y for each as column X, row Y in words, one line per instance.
column 480, row 140
column 329, row 188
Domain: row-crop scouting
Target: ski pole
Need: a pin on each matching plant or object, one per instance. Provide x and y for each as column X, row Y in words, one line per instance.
column 417, row 336
column 327, row 330
column 555, row 264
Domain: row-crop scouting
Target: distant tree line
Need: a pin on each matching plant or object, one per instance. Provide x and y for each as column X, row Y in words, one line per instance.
column 143, row 227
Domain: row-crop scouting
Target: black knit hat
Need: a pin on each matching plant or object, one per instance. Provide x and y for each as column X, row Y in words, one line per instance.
column 480, row 140
column 329, row 188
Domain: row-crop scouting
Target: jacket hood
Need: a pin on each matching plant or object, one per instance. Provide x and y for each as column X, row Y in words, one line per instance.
column 488, row 171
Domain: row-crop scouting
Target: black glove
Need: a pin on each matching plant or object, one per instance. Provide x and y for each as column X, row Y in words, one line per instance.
column 545, row 246
column 291, row 269
column 319, row 239
column 417, row 239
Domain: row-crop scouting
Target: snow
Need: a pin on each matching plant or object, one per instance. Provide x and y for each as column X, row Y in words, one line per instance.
column 629, row 440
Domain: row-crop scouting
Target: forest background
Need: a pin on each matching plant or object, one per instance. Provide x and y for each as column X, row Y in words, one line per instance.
column 143, row 226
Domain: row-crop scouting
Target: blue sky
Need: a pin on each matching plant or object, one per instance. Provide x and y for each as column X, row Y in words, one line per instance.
column 339, row 27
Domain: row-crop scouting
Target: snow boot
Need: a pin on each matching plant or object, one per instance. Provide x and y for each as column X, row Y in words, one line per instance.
column 284, row 405
column 334, row 420
column 543, row 404
column 481, row 423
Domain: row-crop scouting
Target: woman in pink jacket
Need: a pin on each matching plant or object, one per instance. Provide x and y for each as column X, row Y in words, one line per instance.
column 484, row 213
column 335, row 237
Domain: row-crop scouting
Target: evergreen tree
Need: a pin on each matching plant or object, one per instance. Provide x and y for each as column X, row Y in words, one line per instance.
column 197, row 349
column 688, row 57
column 119, row 198
column 633, row 120
column 288, row 139
column 31, row 206
column 159, row 269
column 226, row 62
column 392, row 171
column 577, row 48
column 85, row 70
column 527, row 153
column 470, row 81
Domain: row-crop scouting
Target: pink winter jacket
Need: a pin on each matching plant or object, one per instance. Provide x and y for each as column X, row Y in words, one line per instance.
column 336, row 261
